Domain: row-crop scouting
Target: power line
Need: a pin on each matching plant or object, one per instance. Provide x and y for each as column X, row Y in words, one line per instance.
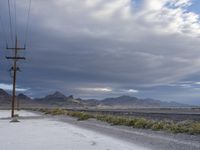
column 10, row 21
column 4, row 35
column 15, row 8
column 3, row 30
column 15, row 57
column 27, row 25
column 28, row 21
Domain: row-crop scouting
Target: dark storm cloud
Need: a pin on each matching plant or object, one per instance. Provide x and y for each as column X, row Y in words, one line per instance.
column 75, row 46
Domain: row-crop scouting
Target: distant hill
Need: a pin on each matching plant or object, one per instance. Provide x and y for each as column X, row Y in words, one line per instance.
column 25, row 101
column 58, row 99
column 5, row 98
column 23, row 97
column 130, row 102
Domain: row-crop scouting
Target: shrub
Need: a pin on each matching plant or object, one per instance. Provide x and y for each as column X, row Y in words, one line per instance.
column 57, row 112
column 157, row 126
column 141, row 123
column 195, row 128
column 190, row 127
column 80, row 115
column 131, row 122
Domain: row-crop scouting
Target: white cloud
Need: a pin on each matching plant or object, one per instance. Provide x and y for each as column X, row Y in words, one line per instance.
column 112, row 8
column 96, row 89
column 92, row 3
column 163, row 16
column 170, row 16
column 198, row 83
column 132, row 91
column 181, row 3
column 9, row 87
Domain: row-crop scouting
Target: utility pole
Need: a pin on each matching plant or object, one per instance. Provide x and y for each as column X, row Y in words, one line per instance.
column 14, row 68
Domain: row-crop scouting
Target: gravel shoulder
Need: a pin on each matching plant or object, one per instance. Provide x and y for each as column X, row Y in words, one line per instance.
column 157, row 140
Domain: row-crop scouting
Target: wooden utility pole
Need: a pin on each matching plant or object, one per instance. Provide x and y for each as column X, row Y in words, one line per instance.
column 14, row 68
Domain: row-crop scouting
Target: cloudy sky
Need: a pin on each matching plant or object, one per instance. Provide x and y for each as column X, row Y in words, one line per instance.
column 105, row 48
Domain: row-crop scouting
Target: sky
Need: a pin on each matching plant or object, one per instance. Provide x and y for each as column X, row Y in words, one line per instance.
column 105, row 48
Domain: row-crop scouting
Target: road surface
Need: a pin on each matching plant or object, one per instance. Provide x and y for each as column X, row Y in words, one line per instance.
column 43, row 132
column 48, row 134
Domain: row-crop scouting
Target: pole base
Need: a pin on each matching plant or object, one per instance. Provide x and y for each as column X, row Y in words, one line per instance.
column 14, row 120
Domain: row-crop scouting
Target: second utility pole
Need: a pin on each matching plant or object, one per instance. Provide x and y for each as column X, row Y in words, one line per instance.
column 14, row 68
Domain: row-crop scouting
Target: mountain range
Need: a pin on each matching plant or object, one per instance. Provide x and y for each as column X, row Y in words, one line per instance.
column 58, row 99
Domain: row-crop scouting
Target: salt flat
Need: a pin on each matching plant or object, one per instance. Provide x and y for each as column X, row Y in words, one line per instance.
column 47, row 134
column 22, row 113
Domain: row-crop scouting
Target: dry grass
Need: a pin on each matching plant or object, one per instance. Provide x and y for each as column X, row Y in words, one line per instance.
column 189, row 127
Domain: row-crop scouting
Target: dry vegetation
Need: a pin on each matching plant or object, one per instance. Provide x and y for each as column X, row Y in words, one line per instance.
column 189, row 127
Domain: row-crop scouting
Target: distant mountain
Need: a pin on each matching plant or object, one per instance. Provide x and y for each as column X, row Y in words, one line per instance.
column 122, row 100
column 127, row 101
column 5, row 98
column 57, row 95
column 24, row 101
column 58, row 99
column 4, row 93
column 23, row 97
